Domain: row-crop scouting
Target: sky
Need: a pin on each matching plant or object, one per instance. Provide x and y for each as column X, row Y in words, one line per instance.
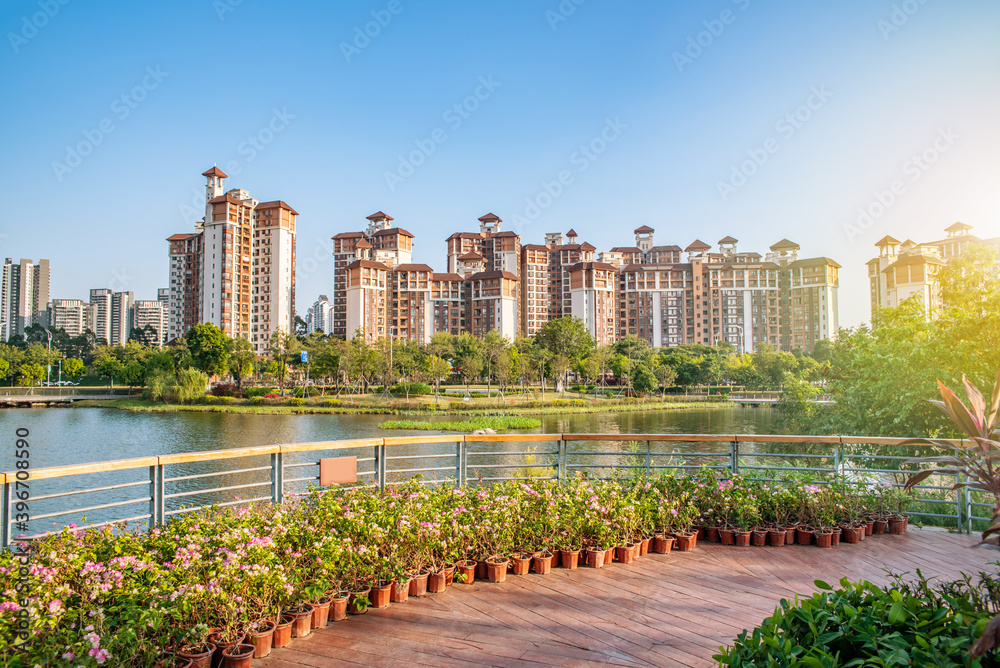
column 830, row 124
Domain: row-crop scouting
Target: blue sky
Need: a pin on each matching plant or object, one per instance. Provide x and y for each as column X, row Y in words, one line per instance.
column 643, row 110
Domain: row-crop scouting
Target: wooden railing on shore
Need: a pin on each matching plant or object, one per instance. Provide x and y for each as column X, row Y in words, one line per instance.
column 446, row 459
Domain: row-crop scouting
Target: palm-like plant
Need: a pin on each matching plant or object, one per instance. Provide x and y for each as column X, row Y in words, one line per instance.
column 972, row 457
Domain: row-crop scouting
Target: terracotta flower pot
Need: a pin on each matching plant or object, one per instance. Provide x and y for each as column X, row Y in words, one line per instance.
column 878, row 527
column 201, row 658
column 354, row 604
column 338, row 607
column 624, row 554
column 595, row 558
column 569, row 558
column 222, row 646
column 636, row 547
column 897, row 525
column 283, row 631
column 418, row 584
column 803, row 536
column 742, row 538
column 301, row 622
column 496, row 570
column 541, row 562
column 776, row 537
column 700, row 532
column 790, row 533
column 644, row 545
column 182, row 663
column 662, row 544
column 520, row 563
column 449, row 575
column 482, row 569
column 685, row 542
column 835, row 538
column 262, row 638
column 850, row 535
column 238, row 656
column 824, row 538
column 436, row 582
column 380, row 594
column 400, row 591
column 758, row 538
column 728, row 536
column 712, row 534
column 869, row 526
column 468, row 569
column 609, row 555
column 321, row 613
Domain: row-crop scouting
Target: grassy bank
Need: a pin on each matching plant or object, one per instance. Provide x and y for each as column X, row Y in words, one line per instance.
column 496, row 423
column 476, row 407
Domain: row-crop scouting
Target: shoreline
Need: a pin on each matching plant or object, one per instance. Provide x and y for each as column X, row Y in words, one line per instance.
column 145, row 406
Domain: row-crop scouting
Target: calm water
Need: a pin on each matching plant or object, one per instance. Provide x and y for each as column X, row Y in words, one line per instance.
column 63, row 436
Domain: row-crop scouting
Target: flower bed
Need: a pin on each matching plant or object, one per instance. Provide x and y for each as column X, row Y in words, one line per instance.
column 132, row 598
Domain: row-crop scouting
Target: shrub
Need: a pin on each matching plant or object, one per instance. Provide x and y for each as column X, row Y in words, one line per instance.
column 333, row 403
column 415, row 389
column 904, row 624
column 297, row 401
column 252, row 392
column 225, row 390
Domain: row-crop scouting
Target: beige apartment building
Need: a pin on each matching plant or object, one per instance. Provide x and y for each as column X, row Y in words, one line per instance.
column 907, row 268
column 660, row 293
column 69, row 315
column 237, row 270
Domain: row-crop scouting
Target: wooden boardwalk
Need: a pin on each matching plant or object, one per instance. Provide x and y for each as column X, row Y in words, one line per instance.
column 661, row 610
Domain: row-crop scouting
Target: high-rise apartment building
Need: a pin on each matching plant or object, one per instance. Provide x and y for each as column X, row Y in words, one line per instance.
column 151, row 313
column 907, row 268
column 99, row 314
column 69, row 315
column 184, row 293
column 320, row 316
column 24, row 296
column 237, row 270
column 380, row 242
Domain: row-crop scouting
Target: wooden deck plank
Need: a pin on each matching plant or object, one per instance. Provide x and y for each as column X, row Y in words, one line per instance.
column 671, row 609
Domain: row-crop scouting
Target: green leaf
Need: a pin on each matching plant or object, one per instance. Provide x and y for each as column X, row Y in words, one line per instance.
column 897, row 611
column 821, row 585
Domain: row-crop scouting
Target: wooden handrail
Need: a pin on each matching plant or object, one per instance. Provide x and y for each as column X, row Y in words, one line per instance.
column 209, row 455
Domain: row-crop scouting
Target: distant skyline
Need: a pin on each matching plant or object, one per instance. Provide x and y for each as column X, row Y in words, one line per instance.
column 730, row 117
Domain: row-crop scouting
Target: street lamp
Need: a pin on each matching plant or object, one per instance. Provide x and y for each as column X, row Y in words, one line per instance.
column 48, row 360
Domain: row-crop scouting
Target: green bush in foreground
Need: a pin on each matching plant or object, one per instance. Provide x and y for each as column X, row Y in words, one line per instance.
column 862, row 624
column 495, row 423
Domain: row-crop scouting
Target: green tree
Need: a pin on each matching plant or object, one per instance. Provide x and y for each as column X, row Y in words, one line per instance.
column 209, row 348
column 566, row 336
column 160, row 384
column 73, row 368
column 107, row 365
column 30, row 373
column 437, row 369
column 643, row 380
column 191, row 384
column 241, row 360
column 279, row 347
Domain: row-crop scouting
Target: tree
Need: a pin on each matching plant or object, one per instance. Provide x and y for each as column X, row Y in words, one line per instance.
column 665, row 376
column 494, row 344
column 643, row 380
column 160, row 384
column 191, row 384
column 209, row 347
column 133, row 374
column 299, row 327
column 279, row 347
column 566, row 336
column 241, row 359
column 107, row 365
column 30, row 373
column 73, row 368
column 437, row 368
column 4, row 368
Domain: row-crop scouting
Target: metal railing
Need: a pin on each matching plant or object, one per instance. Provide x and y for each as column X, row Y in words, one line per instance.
column 151, row 490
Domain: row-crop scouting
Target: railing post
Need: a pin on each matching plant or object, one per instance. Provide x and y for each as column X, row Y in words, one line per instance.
column 561, row 460
column 649, row 455
column 836, row 462
column 277, row 477
column 380, row 465
column 155, row 496
column 5, row 509
column 460, row 458
column 734, row 457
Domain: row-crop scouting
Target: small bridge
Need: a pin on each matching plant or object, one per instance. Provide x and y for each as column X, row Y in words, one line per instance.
column 27, row 399
column 770, row 398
